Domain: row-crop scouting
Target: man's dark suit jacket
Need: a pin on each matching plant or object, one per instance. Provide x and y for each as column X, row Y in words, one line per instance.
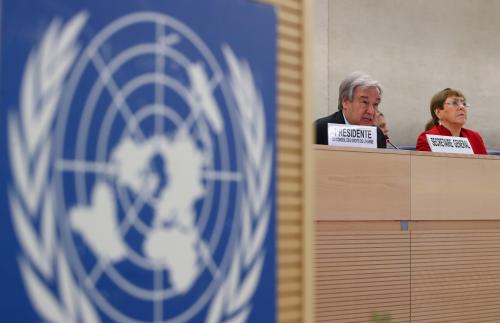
column 322, row 129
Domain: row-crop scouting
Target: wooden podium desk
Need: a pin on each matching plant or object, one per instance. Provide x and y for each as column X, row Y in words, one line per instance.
column 410, row 235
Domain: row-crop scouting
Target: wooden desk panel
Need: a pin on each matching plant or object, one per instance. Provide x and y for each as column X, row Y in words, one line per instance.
column 362, row 184
column 455, row 188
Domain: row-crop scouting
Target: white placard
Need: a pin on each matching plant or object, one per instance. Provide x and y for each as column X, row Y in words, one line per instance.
column 352, row 136
column 448, row 144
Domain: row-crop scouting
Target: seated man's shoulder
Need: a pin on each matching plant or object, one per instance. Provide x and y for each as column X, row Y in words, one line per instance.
column 328, row 119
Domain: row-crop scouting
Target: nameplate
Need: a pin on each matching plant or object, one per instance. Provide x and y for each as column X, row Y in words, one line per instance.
column 447, row 144
column 352, row 136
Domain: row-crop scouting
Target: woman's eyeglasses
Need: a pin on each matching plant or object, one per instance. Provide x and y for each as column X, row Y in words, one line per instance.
column 458, row 103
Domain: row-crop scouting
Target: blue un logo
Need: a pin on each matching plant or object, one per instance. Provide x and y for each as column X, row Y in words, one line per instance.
column 158, row 173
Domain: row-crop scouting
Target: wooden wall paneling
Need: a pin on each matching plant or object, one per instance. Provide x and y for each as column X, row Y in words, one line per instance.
column 295, row 296
column 289, row 60
column 291, row 160
column 361, row 272
column 456, row 225
column 455, row 274
column 308, row 166
column 287, row 102
column 285, row 73
column 294, row 5
column 355, row 227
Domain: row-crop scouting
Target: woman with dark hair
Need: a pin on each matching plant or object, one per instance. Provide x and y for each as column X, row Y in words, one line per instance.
column 449, row 113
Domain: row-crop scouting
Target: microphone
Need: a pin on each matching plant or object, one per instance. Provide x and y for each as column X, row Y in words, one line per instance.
column 390, row 143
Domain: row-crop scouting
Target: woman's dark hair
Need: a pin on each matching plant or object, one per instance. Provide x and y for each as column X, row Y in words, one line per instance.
column 429, row 125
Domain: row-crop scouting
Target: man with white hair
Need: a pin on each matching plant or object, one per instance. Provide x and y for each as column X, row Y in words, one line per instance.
column 359, row 98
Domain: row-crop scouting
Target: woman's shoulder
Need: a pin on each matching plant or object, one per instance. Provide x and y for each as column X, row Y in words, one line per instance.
column 476, row 141
column 469, row 132
column 422, row 144
column 432, row 131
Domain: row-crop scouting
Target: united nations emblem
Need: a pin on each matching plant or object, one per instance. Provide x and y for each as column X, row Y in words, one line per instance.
column 141, row 175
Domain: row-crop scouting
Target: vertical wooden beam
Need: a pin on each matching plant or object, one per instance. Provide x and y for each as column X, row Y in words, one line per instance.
column 307, row 166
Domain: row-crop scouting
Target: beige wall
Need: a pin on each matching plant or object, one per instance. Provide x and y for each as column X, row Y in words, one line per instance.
column 414, row 48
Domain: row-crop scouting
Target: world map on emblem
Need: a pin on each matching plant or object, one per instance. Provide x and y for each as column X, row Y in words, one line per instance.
column 154, row 148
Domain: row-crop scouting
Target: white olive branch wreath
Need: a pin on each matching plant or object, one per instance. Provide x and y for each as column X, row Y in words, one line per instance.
column 43, row 263
column 232, row 301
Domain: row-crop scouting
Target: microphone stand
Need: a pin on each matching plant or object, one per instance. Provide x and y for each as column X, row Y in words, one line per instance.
column 390, row 143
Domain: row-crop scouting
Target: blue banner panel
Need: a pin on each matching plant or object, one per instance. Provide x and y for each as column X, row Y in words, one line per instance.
column 138, row 161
